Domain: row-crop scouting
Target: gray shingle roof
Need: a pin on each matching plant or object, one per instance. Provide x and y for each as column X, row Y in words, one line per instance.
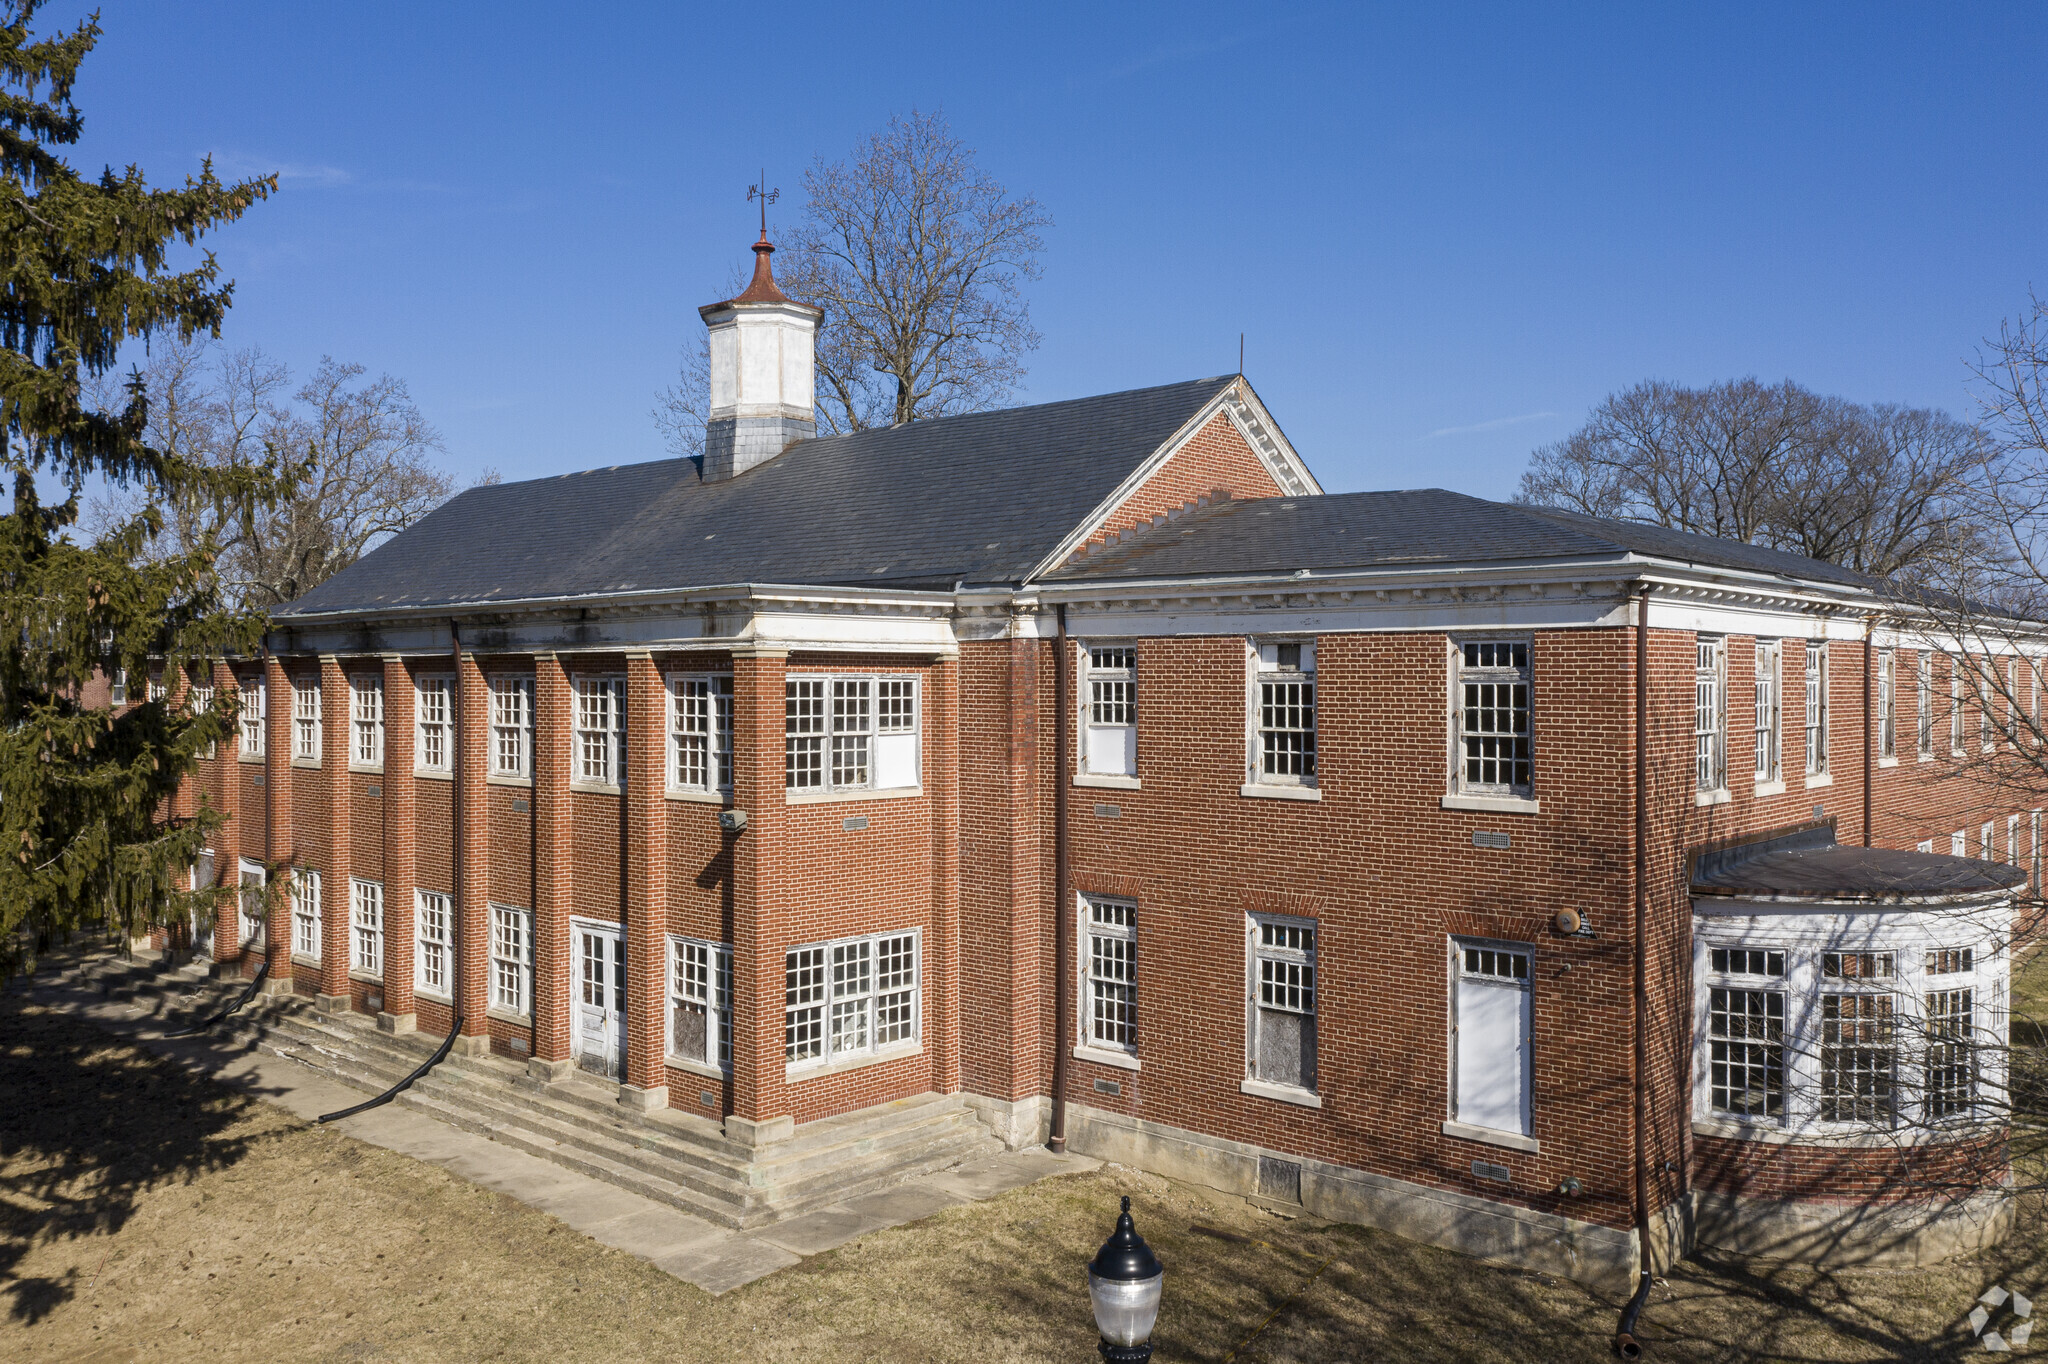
column 980, row 498
column 1420, row 527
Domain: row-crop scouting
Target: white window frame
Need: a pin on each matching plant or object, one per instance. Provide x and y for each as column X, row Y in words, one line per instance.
column 1924, row 702
column 598, row 715
column 201, row 700
column 255, row 716
column 1526, row 1024
column 366, row 927
column 841, row 988
column 305, row 719
column 512, row 726
column 156, row 689
column 1887, row 706
column 1987, row 842
column 1987, row 701
column 1710, row 714
column 1959, row 843
column 117, row 688
column 1955, row 704
column 1282, row 977
column 306, row 931
column 826, row 732
column 700, row 977
column 700, row 732
column 433, row 931
column 1275, row 745
column 1770, row 713
column 433, row 724
column 1470, row 742
column 1816, row 708
column 511, row 989
column 1108, row 732
column 366, row 721
column 250, row 876
column 1102, row 974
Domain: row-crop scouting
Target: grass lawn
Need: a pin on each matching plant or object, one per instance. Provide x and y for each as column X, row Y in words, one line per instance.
column 149, row 1214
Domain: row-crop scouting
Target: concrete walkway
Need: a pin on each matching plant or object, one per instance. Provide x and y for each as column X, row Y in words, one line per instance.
column 712, row 1257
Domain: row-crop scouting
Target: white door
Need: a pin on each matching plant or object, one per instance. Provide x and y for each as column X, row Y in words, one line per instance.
column 600, row 999
column 255, row 921
column 1493, row 1025
column 202, row 919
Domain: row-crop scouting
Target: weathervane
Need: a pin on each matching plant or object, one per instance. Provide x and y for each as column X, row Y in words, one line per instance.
column 766, row 196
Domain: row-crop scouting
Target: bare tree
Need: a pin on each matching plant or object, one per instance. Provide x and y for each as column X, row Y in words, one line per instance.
column 1883, row 490
column 683, row 408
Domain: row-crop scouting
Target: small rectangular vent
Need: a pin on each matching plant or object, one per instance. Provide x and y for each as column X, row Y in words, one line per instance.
column 1482, row 839
column 854, row 824
column 1108, row 1087
column 707, row 1098
column 1486, row 1169
column 517, row 1044
column 374, row 789
column 519, row 806
column 1109, row 812
column 1279, row 1180
column 259, row 779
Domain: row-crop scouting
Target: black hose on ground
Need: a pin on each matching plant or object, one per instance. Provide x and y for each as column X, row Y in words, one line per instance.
column 262, row 970
column 1625, row 1343
column 440, row 1055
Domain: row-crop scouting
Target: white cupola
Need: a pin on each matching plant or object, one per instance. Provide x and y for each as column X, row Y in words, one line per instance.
column 763, row 373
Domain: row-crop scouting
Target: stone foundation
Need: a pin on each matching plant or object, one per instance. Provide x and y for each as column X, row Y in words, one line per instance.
column 1921, row 1232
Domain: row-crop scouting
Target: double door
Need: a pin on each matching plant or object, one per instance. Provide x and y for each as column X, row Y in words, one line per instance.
column 600, row 1033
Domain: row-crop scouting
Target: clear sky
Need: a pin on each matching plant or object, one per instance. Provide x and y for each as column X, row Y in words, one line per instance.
column 1445, row 232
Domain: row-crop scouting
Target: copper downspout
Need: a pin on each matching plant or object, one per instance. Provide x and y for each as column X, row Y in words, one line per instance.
column 1625, row 1343
column 1869, row 625
column 1062, row 919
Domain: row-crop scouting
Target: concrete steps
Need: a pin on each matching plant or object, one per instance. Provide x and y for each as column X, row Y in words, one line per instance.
column 680, row 1159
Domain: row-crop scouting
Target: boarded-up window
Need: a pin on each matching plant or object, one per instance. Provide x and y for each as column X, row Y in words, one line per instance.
column 1492, row 1022
column 1283, row 1002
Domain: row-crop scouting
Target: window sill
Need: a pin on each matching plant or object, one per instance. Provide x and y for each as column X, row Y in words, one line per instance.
column 255, row 759
column 1771, row 788
column 790, row 797
column 306, row 762
column 432, row 998
column 1818, row 1134
column 1493, row 805
column 696, row 1068
column 1102, row 1056
column 495, row 780
column 301, row 959
column 1269, row 791
column 1925, row 758
column 1108, row 781
column 596, row 788
column 1816, row 780
column 367, row 977
column 1887, row 762
column 701, row 798
column 367, row 769
column 432, row 774
column 812, row 1070
column 1702, row 799
column 1286, row 1094
column 1513, row 1141
column 512, row 1016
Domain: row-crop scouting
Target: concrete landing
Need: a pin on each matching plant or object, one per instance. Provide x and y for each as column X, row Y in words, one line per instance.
column 712, row 1257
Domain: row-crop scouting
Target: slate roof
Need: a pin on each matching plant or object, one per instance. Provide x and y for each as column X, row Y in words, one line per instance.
column 1427, row 526
column 1852, row 873
column 981, row 498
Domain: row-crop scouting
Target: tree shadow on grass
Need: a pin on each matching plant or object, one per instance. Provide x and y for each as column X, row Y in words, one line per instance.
column 88, row 1123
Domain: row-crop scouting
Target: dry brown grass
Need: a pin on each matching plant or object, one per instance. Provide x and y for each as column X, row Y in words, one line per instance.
column 148, row 1214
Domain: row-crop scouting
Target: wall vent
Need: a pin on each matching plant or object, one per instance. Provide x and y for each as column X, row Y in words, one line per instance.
column 854, row 824
column 1109, row 812
column 1486, row 1169
column 1482, row 839
column 1108, row 1087
column 374, row 789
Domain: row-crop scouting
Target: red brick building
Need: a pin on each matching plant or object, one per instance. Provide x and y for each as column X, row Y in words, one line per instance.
column 1087, row 762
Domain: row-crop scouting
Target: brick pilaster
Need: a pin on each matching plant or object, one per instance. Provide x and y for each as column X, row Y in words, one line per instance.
column 942, row 779
column 336, row 737
column 400, row 838
column 472, row 917
column 552, row 985
column 646, row 891
column 277, row 823
column 757, row 950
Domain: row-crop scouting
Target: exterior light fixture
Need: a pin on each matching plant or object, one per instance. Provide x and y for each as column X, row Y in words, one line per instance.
column 1123, row 1287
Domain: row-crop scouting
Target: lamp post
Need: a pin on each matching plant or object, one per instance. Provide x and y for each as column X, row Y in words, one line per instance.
column 1123, row 1287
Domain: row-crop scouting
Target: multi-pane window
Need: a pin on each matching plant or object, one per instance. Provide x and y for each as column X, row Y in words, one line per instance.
column 306, row 719
column 700, row 732
column 255, row 712
column 433, row 961
column 850, row 998
column 255, row 916
column 306, row 912
column 202, row 702
column 1746, row 961
column 601, row 730
column 117, row 689
column 1710, row 714
column 700, row 1002
column 157, row 691
column 1285, row 715
column 1923, row 698
column 1951, row 1062
column 1816, row 707
column 1887, row 706
column 1858, row 1050
column 850, row 733
column 1987, row 696
column 1493, row 717
column 1769, row 687
column 366, row 720
column 511, row 959
column 511, row 726
column 1109, row 964
column 434, row 725
column 366, row 926
column 1283, row 1013
column 1746, row 1052
column 1109, row 732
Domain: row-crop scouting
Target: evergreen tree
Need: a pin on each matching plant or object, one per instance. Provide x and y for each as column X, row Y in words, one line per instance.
column 86, row 833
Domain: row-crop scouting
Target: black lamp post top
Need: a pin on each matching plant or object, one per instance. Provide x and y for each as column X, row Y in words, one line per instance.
column 1125, row 1257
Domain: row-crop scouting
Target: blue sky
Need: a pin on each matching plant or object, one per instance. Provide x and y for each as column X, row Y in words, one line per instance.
column 1445, row 231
